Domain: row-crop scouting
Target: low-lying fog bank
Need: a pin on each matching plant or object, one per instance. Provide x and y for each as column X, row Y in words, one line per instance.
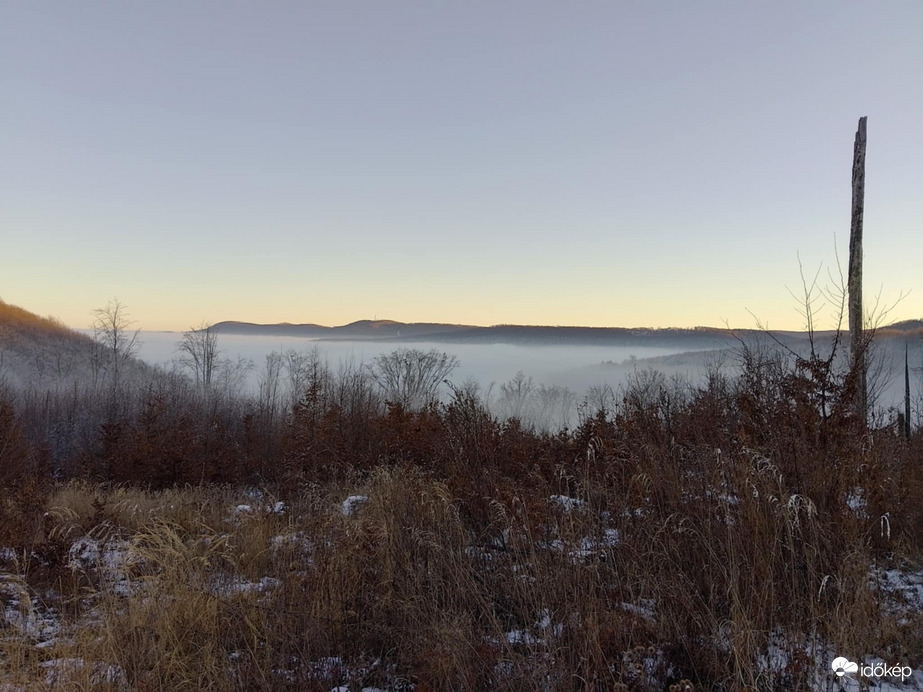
column 549, row 382
column 576, row 367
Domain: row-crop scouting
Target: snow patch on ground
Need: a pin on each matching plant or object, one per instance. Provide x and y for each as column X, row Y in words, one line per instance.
column 856, row 502
column 645, row 609
column 902, row 591
column 353, row 503
column 780, row 658
column 567, row 503
column 242, row 510
column 60, row 671
column 538, row 635
column 25, row 613
column 109, row 562
column 237, row 587
column 296, row 542
column 588, row 547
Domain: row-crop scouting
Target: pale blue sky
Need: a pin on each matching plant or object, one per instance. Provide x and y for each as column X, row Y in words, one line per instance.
column 597, row 163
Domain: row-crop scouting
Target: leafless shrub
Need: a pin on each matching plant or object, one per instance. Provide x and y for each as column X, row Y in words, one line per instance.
column 411, row 377
column 200, row 355
column 515, row 398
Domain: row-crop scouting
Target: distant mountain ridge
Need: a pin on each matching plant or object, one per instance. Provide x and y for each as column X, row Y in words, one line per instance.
column 439, row 332
column 361, row 329
column 389, row 330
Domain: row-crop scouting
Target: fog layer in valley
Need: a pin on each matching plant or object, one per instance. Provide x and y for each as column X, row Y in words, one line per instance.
column 575, row 369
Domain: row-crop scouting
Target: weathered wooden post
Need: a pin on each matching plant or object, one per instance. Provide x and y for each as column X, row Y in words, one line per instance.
column 854, row 284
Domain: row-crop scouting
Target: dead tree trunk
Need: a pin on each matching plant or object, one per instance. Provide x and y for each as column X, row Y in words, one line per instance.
column 906, row 390
column 854, row 285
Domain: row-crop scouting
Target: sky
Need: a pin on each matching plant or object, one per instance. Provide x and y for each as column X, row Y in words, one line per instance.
column 563, row 163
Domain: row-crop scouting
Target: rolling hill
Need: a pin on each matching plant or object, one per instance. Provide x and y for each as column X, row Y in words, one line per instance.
column 41, row 351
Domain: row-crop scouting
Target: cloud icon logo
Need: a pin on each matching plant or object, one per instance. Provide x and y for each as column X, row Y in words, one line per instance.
column 843, row 666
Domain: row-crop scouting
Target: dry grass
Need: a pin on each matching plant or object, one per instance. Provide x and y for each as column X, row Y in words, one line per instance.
column 725, row 537
column 197, row 593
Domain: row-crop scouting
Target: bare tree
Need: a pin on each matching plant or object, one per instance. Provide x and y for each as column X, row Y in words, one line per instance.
column 412, row 377
column 832, row 374
column 112, row 330
column 306, row 373
column 199, row 353
column 231, row 376
column 598, row 399
column 918, row 401
column 906, row 390
column 269, row 382
column 553, row 407
column 645, row 390
column 516, row 397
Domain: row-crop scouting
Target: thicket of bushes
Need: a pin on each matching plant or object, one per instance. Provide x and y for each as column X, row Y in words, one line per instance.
column 749, row 510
